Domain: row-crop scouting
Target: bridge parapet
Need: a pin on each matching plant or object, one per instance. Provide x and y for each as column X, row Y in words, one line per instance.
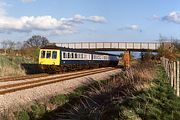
column 113, row 46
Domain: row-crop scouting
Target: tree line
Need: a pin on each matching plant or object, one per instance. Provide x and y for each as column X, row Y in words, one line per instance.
column 29, row 48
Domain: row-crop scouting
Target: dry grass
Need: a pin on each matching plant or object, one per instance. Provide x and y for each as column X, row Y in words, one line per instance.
column 11, row 71
column 101, row 101
column 11, row 66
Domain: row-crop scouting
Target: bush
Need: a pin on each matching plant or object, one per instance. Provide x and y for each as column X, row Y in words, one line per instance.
column 37, row 111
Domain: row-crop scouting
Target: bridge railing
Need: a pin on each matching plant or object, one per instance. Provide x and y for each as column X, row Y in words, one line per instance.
column 111, row 45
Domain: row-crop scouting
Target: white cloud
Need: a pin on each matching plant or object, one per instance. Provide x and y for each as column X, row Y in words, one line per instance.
column 97, row 19
column 133, row 27
column 47, row 24
column 79, row 19
column 172, row 17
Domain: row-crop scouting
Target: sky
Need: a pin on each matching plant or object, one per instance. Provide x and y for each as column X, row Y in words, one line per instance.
column 90, row 20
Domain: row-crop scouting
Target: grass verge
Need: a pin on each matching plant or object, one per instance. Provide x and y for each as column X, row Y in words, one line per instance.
column 141, row 93
column 157, row 103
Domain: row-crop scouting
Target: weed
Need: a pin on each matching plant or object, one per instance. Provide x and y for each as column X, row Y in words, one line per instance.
column 59, row 99
column 22, row 115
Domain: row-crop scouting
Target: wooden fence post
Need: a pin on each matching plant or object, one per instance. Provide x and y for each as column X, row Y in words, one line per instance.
column 178, row 78
column 171, row 70
column 167, row 68
column 174, row 72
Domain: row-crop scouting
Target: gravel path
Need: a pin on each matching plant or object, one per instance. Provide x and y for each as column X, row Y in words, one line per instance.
column 12, row 100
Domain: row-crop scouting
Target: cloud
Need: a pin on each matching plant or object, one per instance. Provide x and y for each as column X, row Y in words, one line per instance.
column 155, row 17
column 47, row 24
column 133, row 27
column 80, row 19
column 172, row 17
column 27, row 1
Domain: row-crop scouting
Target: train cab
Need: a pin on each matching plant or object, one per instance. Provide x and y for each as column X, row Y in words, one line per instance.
column 49, row 57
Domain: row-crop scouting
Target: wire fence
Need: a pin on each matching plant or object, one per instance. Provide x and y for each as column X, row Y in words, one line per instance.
column 172, row 70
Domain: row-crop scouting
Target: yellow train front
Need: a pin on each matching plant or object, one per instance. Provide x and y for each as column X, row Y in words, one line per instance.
column 56, row 59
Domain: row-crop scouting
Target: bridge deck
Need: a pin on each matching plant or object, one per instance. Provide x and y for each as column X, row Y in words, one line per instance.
column 112, row 46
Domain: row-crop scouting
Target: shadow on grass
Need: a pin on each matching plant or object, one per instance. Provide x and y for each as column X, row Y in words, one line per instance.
column 85, row 103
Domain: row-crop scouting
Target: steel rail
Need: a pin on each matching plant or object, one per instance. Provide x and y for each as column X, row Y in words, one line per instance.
column 6, row 79
column 32, row 84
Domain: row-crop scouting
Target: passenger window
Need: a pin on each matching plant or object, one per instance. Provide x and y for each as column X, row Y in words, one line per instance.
column 81, row 55
column 68, row 55
column 72, row 55
column 85, row 56
column 43, row 54
column 78, row 55
column 48, row 54
column 54, row 54
column 75, row 55
column 64, row 55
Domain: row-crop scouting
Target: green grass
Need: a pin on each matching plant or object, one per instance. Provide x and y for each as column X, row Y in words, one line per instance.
column 157, row 103
column 59, row 99
column 22, row 115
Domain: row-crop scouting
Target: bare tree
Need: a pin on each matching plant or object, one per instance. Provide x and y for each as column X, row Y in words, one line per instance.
column 8, row 45
column 4, row 46
column 36, row 41
column 18, row 45
column 11, row 45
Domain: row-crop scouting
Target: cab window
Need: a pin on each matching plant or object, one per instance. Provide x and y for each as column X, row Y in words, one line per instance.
column 43, row 54
column 54, row 54
column 48, row 54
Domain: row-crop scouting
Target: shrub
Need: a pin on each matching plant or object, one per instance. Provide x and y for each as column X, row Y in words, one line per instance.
column 37, row 111
column 59, row 99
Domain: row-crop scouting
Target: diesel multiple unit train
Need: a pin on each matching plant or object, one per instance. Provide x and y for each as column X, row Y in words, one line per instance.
column 57, row 59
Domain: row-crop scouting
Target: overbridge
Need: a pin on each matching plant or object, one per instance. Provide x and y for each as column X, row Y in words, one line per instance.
column 112, row 46
column 118, row 46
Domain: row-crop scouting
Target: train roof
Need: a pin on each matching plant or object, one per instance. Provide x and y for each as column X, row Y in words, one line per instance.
column 75, row 50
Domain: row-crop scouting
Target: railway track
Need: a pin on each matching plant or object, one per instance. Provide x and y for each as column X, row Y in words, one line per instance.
column 6, row 79
column 45, row 80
